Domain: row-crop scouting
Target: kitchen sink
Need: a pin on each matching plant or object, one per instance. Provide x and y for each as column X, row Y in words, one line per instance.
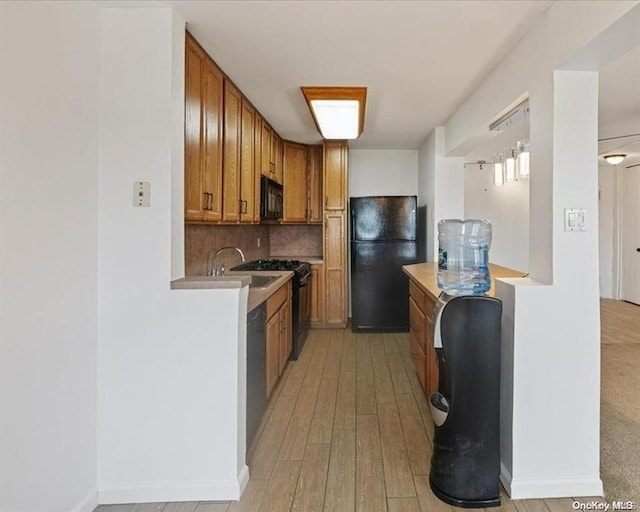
column 262, row 281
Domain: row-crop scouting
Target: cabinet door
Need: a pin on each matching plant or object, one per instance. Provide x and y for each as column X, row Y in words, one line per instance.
column 277, row 154
column 285, row 335
column 258, row 145
column 317, row 294
column 334, row 267
column 212, row 140
column 295, row 182
column 195, row 200
column 335, row 174
column 231, row 159
column 314, row 164
column 273, row 330
column 248, row 177
column 267, row 169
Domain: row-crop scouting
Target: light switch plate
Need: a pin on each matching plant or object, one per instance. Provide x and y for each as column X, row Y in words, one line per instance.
column 575, row 219
column 141, row 193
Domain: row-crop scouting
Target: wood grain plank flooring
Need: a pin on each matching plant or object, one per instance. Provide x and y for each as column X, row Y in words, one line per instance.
column 351, row 414
column 403, row 505
column 295, row 438
column 251, row 498
column 397, row 470
column 321, row 428
column 370, row 488
column 281, row 487
column 313, row 479
column 340, row 493
column 345, row 415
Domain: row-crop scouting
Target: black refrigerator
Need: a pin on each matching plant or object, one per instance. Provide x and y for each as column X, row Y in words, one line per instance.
column 384, row 237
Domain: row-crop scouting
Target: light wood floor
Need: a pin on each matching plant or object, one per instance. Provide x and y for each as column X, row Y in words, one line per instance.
column 347, row 429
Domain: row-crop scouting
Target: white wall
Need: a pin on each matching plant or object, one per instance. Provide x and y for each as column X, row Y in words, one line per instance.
column 507, row 207
column 426, row 189
column 606, row 202
column 441, row 187
column 172, row 364
column 383, row 172
column 48, row 255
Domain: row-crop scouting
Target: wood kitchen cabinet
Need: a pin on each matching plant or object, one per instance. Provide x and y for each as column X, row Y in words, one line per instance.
column 204, row 85
column 249, row 177
column 335, row 268
column 267, row 167
column 335, row 174
column 315, row 206
column 278, row 334
column 231, row 153
column 295, row 183
column 317, row 316
column 421, row 310
column 335, row 232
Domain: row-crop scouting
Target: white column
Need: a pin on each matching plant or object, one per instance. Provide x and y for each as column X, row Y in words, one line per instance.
column 550, row 414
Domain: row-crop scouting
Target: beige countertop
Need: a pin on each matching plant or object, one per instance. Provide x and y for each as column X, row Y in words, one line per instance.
column 235, row 279
column 425, row 276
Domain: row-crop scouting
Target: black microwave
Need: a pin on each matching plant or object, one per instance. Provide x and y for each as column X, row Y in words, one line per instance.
column 270, row 199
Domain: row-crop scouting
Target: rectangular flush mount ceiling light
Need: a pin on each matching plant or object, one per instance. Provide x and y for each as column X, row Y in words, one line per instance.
column 337, row 111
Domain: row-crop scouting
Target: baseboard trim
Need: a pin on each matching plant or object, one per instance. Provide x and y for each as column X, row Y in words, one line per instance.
column 536, row 488
column 88, row 503
column 146, row 492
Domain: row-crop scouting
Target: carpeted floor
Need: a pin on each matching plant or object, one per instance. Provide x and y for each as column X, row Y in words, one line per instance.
column 620, row 401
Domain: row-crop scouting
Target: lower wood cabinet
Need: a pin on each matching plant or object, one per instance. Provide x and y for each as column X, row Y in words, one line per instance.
column 278, row 334
column 317, row 315
column 421, row 318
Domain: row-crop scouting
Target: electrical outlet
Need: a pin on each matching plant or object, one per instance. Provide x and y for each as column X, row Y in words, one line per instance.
column 141, row 193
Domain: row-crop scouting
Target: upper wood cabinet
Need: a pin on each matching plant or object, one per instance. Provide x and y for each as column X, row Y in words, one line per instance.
column 231, row 205
column 295, row 182
column 249, row 178
column 335, row 174
column 267, row 167
column 315, row 207
column 277, row 157
column 203, row 135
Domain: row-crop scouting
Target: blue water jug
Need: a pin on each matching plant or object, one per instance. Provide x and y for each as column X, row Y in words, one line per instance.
column 463, row 256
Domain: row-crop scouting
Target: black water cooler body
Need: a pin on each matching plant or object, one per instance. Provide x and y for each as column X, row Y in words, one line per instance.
column 465, row 465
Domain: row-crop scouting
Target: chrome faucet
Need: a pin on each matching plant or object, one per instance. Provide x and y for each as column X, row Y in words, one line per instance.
column 216, row 269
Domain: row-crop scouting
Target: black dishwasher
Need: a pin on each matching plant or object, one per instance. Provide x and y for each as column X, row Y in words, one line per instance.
column 256, row 370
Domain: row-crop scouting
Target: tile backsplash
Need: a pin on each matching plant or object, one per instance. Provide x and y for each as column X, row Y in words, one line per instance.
column 292, row 240
column 202, row 242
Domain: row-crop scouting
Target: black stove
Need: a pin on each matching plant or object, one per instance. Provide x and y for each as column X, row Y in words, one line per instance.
column 271, row 265
column 301, row 295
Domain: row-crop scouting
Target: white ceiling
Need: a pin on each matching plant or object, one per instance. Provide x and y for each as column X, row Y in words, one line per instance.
column 418, row 59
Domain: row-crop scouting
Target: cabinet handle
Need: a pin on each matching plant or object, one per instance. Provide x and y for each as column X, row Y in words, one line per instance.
column 210, row 201
column 206, row 201
column 246, row 206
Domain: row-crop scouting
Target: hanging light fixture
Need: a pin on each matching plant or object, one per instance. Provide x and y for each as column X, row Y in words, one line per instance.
column 510, row 166
column 498, row 171
column 513, row 162
column 614, row 159
column 522, row 160
column 337, row 111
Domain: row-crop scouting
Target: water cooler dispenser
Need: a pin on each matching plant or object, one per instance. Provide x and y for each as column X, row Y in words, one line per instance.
column 465, row 464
